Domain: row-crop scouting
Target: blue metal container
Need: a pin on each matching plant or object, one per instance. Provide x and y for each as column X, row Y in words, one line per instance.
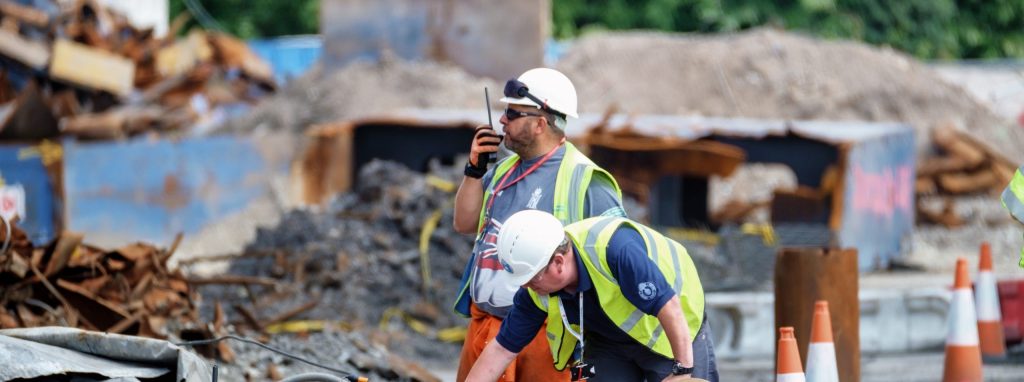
column 151, row 189
column 23, row 171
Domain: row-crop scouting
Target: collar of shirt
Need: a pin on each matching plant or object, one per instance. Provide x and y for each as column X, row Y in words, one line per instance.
column 583, row 277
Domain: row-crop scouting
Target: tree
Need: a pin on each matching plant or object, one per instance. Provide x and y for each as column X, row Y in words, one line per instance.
column 930, row 29
column 252, row 18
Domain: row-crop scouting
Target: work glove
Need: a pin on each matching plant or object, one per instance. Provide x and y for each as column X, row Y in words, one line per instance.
column 485, row 145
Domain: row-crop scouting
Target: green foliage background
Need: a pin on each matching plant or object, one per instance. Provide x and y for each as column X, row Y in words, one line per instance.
column 929, row 29
column 249, row 19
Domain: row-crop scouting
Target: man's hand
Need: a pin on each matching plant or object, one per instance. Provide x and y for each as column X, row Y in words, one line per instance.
column 485, row 142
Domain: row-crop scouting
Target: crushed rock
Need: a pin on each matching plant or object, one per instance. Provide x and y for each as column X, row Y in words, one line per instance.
column 360, row 257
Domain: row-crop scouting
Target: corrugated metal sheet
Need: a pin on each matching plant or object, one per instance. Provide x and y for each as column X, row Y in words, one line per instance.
column 52, row 351
column 149, row 190
column 21, row 166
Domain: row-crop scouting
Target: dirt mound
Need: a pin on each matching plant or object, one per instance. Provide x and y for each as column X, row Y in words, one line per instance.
column 765, row 73
column 364, row 89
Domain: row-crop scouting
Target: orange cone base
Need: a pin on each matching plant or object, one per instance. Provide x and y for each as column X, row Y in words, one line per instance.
column 991, row 335
column 963, row 364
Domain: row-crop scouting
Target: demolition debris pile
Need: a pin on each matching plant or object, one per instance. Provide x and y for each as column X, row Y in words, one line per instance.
column 128, row 290
column 80, row 69
column 360, row 263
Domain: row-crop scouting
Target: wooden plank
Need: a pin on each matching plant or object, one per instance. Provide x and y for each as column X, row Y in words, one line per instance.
column 183, row 55
column 960, row 183
column 32, row 54
column 25, row 14
column 66, row 245
column 93, row 68
column 234, row 279
column 953, row 143
column 937, row 165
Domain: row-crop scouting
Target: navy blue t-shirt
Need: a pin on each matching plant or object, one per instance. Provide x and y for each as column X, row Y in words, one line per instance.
column 638, row 277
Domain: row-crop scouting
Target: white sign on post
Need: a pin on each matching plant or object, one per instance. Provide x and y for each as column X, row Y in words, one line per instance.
column 12, row 202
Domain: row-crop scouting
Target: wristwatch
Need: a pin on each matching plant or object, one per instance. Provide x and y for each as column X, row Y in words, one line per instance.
column 679, row 369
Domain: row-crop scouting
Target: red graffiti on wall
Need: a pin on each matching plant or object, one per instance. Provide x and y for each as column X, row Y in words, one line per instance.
column 882, row 193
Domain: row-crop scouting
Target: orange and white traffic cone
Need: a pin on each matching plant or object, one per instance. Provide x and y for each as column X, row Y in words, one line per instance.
column 990, row 321
column 789, row 369
column 821, row 353
column 963, row 357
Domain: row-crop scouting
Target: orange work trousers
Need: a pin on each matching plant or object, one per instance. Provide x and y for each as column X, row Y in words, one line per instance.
column 533, row 363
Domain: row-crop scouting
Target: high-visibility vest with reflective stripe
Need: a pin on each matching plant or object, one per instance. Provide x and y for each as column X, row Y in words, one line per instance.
column 574, row 175
column 1013, row 201
column 591, row 238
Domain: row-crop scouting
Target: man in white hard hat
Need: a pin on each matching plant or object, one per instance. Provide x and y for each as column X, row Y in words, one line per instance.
column 621, row 301
column 546, row 173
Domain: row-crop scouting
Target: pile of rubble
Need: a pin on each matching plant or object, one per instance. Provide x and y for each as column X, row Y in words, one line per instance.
column 128, row 290
column 381, row 257
column 77, row 68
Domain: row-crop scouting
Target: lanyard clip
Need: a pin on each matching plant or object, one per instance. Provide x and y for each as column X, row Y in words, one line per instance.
column 582, row 371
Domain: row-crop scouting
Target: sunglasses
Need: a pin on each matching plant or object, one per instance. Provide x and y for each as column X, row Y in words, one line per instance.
column 516, row 89
column 512, row 114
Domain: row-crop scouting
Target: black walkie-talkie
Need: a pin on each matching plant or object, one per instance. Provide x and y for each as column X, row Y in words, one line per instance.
column 491, row 157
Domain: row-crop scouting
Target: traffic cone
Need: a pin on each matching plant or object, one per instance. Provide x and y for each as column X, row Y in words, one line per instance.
column 963, row 357
column 788, row 365
column 821, row 353
column 990, row 321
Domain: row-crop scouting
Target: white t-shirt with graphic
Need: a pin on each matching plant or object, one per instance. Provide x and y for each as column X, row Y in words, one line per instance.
column 489, row 286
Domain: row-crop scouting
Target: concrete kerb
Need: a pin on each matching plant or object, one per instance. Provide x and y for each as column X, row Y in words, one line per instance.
column 891, row 321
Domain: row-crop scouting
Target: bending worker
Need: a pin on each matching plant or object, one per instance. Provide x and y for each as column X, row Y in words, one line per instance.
column 546, row 173
column 622, row 302
column 1013, row 201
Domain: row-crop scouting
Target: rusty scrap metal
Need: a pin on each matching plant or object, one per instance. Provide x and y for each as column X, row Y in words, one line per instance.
column 128, row 290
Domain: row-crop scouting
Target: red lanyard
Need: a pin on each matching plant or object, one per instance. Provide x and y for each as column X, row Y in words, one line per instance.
column 501, row 184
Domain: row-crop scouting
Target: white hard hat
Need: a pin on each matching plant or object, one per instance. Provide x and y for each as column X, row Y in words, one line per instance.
column 526, row 242
column 550, row 86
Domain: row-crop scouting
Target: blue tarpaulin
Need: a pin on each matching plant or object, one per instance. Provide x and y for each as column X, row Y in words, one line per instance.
column 289, row 56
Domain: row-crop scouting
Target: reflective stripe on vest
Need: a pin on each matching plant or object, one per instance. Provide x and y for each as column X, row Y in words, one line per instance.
column 1013, row 196
column 1013, row 201
column 591, row 238
column 574, row 175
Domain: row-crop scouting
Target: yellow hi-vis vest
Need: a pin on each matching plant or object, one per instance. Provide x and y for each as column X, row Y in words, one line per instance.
column 574, row 175
column 591, row 238
column 1013, row 201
